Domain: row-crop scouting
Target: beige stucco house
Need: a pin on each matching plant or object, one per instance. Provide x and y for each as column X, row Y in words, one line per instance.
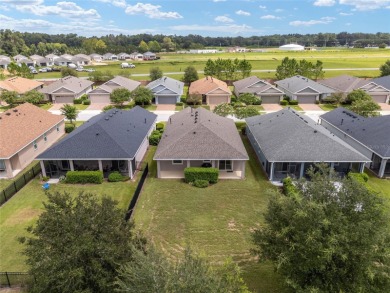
column 212, row 90
column 25, row 132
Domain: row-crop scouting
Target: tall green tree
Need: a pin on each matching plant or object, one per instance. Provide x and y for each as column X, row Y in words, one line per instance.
column 70, row 112
column 248, row 99
column 77, row 244
column 10, row 97
column 143, row 47
column 66, row 71
column 327, row 237
column 142, row 96
column 224, row 109
column 120, row 95
column 154, row 46
column 209, row 69
column 152, row 272
column 385, row 68
column 245, row 67
column 362, row 103
column 190, row 74
column 318, row 70
column 33, row 97
column 155, row 73
column 245, row 112
column 288, row 68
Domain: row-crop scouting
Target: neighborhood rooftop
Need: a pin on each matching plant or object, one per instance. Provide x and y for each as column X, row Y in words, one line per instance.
column 19, row 84
column 344, row 83
column 287, row 136
column 170, row 83
column 71, row 83
column 373, row 132
column 208, row 84
column 198, row 134
column 21, row 125
column 297, row 83
column 116, row 134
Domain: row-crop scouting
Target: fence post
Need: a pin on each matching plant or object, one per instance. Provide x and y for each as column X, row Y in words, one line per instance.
column 5, row 198
column 24, row 177
column 6, row 275
column 33, row 171
column 15, row 186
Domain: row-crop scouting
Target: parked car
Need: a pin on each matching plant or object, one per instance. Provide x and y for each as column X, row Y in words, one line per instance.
column 33, row 71
column 71, row 65
column 80, row 68
column 42, row 70
column 48, row 69
column 89, row 70
column 127, row 65
column 56, row 69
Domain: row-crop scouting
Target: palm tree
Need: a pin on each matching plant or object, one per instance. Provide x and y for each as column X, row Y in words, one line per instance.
column 70, row 112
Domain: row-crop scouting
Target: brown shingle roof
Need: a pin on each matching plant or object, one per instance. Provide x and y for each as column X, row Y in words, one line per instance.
column 210, row 137
column 206, row 85
column 19, row 84
column 21, row 125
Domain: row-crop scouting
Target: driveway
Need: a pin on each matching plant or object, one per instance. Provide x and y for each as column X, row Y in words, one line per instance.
column 165, row 107
column 271, row 107
column 384, row 106
column 310, row 107
column 56, row 107
column 97, row 106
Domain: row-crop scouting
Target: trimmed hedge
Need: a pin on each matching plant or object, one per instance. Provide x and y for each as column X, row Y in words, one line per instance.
column 115, row 177
column 77, row 101
column 159, row 126
column 192, row 174
column 201, row 183
column 288, row 186
column 293, row 102
column 82, row 177
column 69, row 128
column 87, row 102
column 179, row 104
column 283, row 102
column 258, row 102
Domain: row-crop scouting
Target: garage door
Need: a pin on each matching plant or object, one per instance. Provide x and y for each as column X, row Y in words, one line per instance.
column 270, row 99
column 379, row 98
column 171, row 100
column 64, row 100
column 99, row 99
column 306, row 99
column 216, row 100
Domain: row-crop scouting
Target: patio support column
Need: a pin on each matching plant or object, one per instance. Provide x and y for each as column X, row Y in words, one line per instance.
column 158, row 169
column 43, row 168
column 71, row 165
column 100, row 165
column 331, row 167
column 243, row 169
column 130, row 169
column 361, row 167
column 271, row 175
column 188, row 164
column 382, row 168
column 8, row 168
column 301, row 172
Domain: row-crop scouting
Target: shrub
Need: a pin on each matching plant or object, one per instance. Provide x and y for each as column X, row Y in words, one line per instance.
column 183, row 99
column 84, row 97
column 293, row 102
column 45, row 178
column 77, row 101
column 179, row 104
column 330, row 100
column 359, row 177
column 155, row 137
column 201, row 183
column 233, row 99
column 248, row 98
column 87, row 102
column 159, row 126
column 108, row 107
column 82, row 177
column 288, row 186
column 283, row 102
column 197, row 173
column 258, row 102
column 287, row 98
column 69, row 128
column 115, row 177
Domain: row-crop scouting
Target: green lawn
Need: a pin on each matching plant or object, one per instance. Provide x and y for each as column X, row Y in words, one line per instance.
column 23, row 209
column 327, row 107
column 295, row 107
column 380, row 185
column 216, row 221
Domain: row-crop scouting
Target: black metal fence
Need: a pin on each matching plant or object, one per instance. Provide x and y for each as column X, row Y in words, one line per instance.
column 19, row 183
column 137, row 193
column 13, row 279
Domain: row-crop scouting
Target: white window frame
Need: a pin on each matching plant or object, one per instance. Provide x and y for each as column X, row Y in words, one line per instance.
column 219, row 168
column 35, row 145
column 45, row 137
column 176, row 162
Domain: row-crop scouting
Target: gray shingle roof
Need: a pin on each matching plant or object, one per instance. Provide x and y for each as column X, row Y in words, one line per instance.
column 121, row 81
column 286, row 136
column 170, row 83
column 383, row 81
column 243, row 85
column 344, row 83
column 211, row 137
column 297, row 83
column 72, row 83
column 373, row 132
column 115, row 134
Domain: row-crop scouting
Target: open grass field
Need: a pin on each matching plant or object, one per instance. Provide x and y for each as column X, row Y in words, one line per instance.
column 380, row 185
column 216, row 222
column 263, row 64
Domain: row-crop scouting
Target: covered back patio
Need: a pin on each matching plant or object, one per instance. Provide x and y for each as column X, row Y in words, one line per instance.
column 58, row 168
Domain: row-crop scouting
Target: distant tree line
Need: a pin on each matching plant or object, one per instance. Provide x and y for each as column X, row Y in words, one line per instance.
column 13, row 43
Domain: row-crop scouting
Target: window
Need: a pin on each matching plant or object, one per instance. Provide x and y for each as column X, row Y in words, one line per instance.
column 35, row 145
column 45, row 137
column 225, row 165
column 58, row 128
column 2, row 165
column 177, row 162
column 65, row 165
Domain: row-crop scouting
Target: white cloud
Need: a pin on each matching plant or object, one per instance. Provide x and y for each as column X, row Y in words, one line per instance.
column 324, row 3
column 348, row 24
column 363, row 5
column 322, row 20
column 152, row 11
column 232, row 28
column 262, row 7
column 269, row 16
column 63, row 9
column 279, row 10
column 219, row 0
column 117, row 3
column 23, row 2
column 223, row 19
column 345, row 14
column 242, row 12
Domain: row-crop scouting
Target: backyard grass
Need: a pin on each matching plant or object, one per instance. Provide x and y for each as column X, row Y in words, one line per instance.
column 23, row 209
column 6, row 182
column 216, row 222
column 380, row 185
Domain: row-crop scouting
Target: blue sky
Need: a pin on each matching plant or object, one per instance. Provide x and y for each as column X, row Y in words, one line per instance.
column 202, row 17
